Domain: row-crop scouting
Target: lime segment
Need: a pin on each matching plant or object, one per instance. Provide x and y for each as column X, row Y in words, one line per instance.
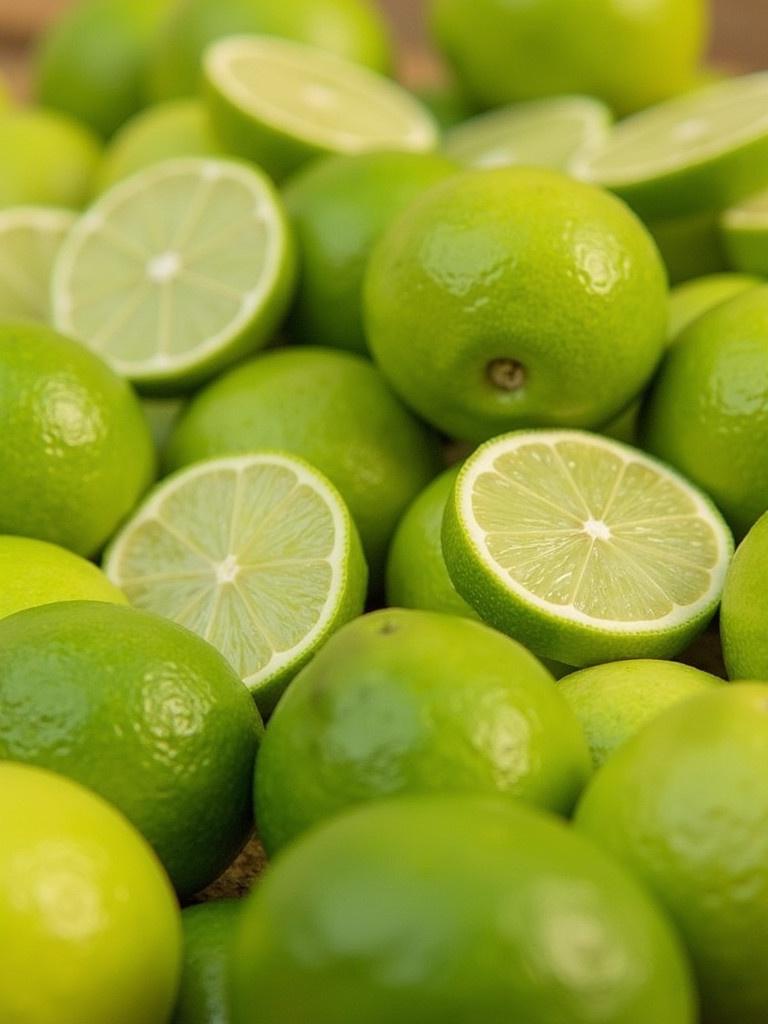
column 745, row 234
column 30, row 238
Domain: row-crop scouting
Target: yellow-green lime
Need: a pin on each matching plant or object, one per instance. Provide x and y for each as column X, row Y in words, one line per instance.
column 209, row 933
column 692, row 299
column 177, row 272
column 745, row 235
column 257, row 554
column 281, row 103
column 30, row 239
column 744, row 611
column 583, row 548
column 90, row 924
column 691, row 246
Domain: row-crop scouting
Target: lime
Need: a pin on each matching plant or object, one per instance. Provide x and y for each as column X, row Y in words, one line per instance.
column 685, row 804
column 282, row 103
column 744, row 614
column 255, row 553
column 745, row 235
column 703, row 414
column 77, row 453
column 689, row 301
column 542, row 133
column 334, row 410
column 485, row 313
column 89, row 923
column 208, row 936
column 699, row 152
column 446, row 102
column 339, row 208
column 691, row 246
column 144, row 713
column 585, row 549
column 30, row 238
column 162, row 415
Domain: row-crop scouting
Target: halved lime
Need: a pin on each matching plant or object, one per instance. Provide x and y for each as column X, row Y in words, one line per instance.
column 281, row 103
column 745, row 235
column 256, row 553
column 701, row 151
column 543, row 133
column 30, row 238
column 583, row 548
column 177, row 271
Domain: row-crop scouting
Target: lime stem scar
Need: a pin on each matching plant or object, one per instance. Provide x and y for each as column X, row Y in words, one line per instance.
column 506, row 374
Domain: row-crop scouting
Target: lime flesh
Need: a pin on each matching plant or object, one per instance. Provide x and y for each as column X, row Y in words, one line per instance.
column 30, row 238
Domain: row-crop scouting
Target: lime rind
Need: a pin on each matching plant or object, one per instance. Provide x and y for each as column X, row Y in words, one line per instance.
column 744, row 229
column 30, row 238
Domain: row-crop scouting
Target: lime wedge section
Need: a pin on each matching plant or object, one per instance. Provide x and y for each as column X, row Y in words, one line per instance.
column 745, row 235
column 257, row 554
column 584, row 549
column 177, row 272
column 30, row 239
column 702, row 151
column 281, row 103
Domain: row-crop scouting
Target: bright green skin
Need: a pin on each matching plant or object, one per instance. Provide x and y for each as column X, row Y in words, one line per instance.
column 690, row 246
column 209, row 931
column 630, row 56
column 339, row 208
column 707, row 412
column 350, row 28
column 89, row 921
column 143, row 712
column 614, row 701
column 334, row 410
column 77, row 452
column 685, row 806
column 48, row 159
column 445, row 910
column 689, row 301
column 744, row 609
column 523, row 265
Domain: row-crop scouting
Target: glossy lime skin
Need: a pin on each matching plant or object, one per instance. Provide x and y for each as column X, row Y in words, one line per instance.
column 444, row 910
column 744, row 609
column 77, row 452
column 523, row 266
column 685, row 806
column 143, row 712
column 89, row 921
column 707, row 412
column 209, row 933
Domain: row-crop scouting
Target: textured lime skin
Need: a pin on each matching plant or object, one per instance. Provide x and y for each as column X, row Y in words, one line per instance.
column 209, row 931
column 141, row 711
column 522, row 265
column 78, row 452
column 689, row 301
column 339, row 208
column 616, row 700
column 332, row 409
column 707, row 412
column 444, row 910
column 89, row 921
column 685, row 806
column 744, row 610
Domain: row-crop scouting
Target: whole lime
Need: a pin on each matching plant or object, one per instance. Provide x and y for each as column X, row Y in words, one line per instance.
column 141, row 711
column 744, row 609
column 692, row 299
column 209, row 931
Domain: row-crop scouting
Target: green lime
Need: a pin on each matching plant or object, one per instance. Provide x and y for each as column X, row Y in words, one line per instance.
column 446, row 102
column 77, row 453
column 162, row 415
column 744, row 612
column 177, row 272
column 256, row 553
column 30, row 239
column 703, row 414
column 585, row 549
column 332, row 409
column 144, row 713
column 339, row 208
column 89, row 922
column 689, row 301
column 684, row 805
column 444, row 910
column 745, row 235
column 691, row 246
column 282, row 103
column 209, row 931
column 485, row 313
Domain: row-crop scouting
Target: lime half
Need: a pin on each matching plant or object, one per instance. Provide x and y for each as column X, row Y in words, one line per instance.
column 257, row 554
column 745, row 235
column 702, row 151
column 281, row 103
column 176, row 272
column 30, row 238
column 584, row 549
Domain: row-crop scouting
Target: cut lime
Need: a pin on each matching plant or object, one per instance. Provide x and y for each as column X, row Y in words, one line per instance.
column 30, row 238
column 584, row 549
column 281, row 103
column 544, row 133
column 702, row 151
column 745, row 235
column 176, row 272
column 256, row 553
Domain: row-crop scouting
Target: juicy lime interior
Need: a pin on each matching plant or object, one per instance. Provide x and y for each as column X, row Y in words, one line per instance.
column 30, row 238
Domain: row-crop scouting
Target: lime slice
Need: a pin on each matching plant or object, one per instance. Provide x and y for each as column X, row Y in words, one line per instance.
column 702, row 151
column 256, row 553
column 281, row 103
column 544, row 133
column 584, row 549
column 176, row 272
column 745, row 235
column 30, row 238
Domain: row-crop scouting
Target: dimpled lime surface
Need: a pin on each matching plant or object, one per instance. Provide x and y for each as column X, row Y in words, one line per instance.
column 689, row 301
column 744, row 611
column 685, row 806
column 516, row 297
column 209, row 932
column 89, row 922
column 144, row 713
column 445, row 910
column 77, row 452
